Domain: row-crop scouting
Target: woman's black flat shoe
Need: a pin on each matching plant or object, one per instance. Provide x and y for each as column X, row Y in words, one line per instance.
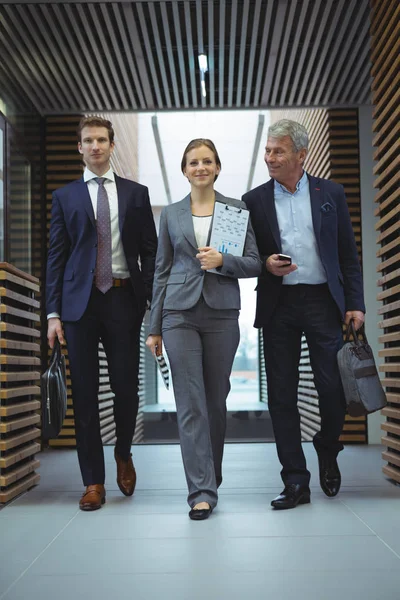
column 199, row 514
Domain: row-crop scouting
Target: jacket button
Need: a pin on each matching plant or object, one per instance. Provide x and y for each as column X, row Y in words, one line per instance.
column 95, row 246
column 92, row 270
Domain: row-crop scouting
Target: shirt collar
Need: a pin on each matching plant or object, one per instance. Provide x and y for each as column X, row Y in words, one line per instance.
column 88, row 175
column 278, row 187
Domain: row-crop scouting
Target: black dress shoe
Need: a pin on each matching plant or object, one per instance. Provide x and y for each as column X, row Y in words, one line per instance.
column 329, row 475
column 292, row 495
column 199, row 514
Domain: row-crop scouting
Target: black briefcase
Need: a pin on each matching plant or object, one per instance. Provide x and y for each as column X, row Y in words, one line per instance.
column 54, row 394
column 362, row 387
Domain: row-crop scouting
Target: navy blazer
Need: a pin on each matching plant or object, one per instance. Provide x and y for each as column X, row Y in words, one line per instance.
column 335, row 240
column 73, row 246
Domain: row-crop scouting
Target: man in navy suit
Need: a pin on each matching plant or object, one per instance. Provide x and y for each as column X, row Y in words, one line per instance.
column 312, row 292
column 101, row 226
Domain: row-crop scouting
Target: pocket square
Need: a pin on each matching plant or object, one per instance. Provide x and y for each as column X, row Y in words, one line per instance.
column 327, row 207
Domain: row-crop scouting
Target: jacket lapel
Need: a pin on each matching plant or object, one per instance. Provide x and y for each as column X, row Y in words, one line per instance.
column 270, row 211
column 316, row 195
column 87, row 202
column 186, row 221
column 122, row 194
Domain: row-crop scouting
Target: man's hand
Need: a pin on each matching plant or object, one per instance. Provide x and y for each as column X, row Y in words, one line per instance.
column 154, row 343
column 54, row 329
column 357, row 316
column 279, row 267
column 209, row 258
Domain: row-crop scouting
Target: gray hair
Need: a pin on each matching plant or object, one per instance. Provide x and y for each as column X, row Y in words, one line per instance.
column 297, row 133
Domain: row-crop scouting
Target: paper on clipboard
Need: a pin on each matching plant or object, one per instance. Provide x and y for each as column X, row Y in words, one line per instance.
column 229, row 229
column 163, row 368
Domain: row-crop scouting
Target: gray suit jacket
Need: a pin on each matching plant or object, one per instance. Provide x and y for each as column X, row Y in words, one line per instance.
column 179, row 280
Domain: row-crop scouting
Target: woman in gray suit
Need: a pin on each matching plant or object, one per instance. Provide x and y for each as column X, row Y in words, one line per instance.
column 196, row 314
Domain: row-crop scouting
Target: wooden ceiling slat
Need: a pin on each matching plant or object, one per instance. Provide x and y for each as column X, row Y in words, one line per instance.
column 160, row 57
column 318, row 42
column 334, row 52
column 127, row 97
column 232, row 52
column 221, row 54
column 179, row 44
column 301, row 59
column 283, row 25
column 250, row 64
column 61, row 23
column 211, row 59
column 292, row 50
column 200, row 44
column 170, row 55
column 55, row 55
column 52, row 75
column 242, row 54
column 150, row 58
column 143, row 75
column 364, row 76
column 262, row 55
column 343, row 64
column 192, row 65
column 118, row 12
column 92, row 69
column 21, row 58
column 90, row 29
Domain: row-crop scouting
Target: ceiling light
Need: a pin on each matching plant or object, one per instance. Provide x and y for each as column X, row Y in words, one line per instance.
column 203, row 63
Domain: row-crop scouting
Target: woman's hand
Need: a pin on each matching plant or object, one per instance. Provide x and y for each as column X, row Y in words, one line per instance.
column 209, row 258
column 154, row 343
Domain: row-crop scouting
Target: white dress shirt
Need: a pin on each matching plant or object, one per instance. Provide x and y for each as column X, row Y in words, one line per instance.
column 119, row 265
column 201, row 227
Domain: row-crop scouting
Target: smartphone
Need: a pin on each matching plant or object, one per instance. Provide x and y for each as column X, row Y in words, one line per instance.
column 286, row 258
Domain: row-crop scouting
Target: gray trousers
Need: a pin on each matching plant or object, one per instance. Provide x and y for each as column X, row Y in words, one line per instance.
column 201, row 344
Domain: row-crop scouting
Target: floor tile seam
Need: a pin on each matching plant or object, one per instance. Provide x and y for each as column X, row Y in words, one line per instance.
column 21, row 575
column 226, row 537
column 371, row 529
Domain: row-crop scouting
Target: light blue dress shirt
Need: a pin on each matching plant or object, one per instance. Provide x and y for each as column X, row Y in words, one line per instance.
column 297, row 233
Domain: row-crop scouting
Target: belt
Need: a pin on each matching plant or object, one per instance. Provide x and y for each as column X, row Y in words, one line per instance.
column 118, row 282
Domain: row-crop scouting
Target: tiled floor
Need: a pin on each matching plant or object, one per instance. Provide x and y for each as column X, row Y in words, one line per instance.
column 146, row 547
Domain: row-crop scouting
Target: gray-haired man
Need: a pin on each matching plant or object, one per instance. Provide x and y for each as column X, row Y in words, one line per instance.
column 311, row 292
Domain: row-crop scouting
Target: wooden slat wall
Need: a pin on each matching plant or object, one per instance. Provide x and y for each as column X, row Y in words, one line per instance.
column 333, row 154
column 19, row 382
column 385, row 31
column 64, row 164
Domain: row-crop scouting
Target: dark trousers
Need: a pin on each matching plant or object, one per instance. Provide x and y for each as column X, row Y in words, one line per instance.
column 307, row 309
column 114, row 319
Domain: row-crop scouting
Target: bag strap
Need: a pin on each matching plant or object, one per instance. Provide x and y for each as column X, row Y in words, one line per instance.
column 351, row 330
column 56, row 352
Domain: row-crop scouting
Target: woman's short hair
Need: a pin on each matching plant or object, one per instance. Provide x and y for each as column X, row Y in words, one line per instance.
column 297, row 133
column 93, row 121
column 196, row 143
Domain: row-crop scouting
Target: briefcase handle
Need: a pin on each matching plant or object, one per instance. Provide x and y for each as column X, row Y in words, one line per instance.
column 56, row 352
column 351, row 330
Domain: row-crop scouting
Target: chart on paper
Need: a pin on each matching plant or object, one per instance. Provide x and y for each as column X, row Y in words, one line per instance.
column 229, row 229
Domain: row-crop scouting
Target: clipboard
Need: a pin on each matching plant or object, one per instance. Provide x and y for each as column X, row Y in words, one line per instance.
column 163, row 368
column 228, row 229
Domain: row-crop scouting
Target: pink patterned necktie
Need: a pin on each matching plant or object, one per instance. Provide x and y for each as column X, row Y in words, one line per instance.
column 104, row 279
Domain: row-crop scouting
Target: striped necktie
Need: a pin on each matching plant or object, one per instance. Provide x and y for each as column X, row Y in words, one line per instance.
column 104, row 279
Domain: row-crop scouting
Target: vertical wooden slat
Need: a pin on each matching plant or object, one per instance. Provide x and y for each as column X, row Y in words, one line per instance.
column 19, row 382
column 385, row 26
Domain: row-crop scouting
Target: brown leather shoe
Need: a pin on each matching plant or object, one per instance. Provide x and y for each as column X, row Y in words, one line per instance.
column 93, row 498
column 126, row 474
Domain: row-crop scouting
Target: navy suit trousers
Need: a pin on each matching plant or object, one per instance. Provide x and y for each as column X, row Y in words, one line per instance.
column 114, row 319
column 309, row 310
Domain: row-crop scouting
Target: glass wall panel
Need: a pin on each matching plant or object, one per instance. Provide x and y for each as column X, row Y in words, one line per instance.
column 19, row 217
column 2, row 177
